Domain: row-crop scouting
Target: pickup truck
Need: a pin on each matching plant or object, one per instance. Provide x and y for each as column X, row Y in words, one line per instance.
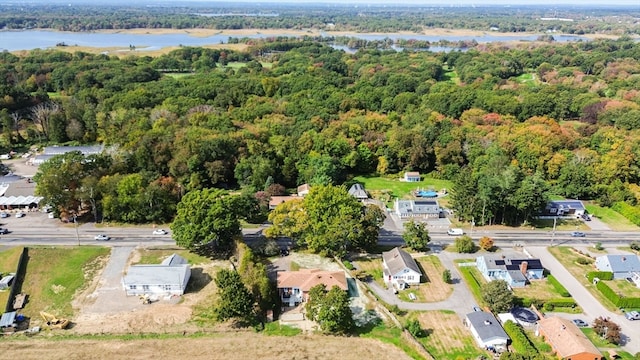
column 632, row 315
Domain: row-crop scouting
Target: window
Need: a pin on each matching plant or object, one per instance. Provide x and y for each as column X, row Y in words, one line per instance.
column 166, row 287
column 410, row 277
column 132, row 287
column 145, row 287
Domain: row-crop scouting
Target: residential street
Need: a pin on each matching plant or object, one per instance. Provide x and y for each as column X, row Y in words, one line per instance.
column 591, row 307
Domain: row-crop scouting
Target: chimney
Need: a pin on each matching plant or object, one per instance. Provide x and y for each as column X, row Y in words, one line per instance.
column 523, row 267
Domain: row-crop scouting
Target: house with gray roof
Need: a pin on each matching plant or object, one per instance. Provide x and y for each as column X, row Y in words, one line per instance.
column 516, row 272
column 168, row 278
column 425, row 208
column 357, row 190
column 487, row 331
column 622, row 266
column 570, row 208
column 400, row 269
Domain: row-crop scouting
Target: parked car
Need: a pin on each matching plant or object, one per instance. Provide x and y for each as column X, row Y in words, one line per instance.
column 578, row 234
column 586, row 217
column 102, row 237
column 4, row 231
column 580, row 323
column 455, row 232
column 4, row 215
column 160, row 232
column 20, row 214
column 632, row 315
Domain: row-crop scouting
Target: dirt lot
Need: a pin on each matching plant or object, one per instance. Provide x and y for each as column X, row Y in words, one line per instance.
column 245, row 345
column 447, row 335
column 120, row 314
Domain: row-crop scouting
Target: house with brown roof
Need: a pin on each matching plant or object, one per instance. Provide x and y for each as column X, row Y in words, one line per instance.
column 566, row 339
column 274, row 201
column 400, row 269
column 294, row 286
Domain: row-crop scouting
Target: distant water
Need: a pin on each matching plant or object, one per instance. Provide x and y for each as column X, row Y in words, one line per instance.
column 44, row 39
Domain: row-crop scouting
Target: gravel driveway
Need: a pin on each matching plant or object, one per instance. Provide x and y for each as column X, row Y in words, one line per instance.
column 109, row 295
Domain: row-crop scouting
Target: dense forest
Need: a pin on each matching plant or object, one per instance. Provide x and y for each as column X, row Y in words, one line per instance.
column 509, row 125
column 388, row 18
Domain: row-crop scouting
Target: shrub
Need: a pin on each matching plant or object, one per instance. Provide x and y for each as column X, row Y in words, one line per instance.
column 562, row 303
column 635, row 245
column 617, row 300
column 519, row 339
column 464, row 244
column 598, row 246
column 348, row 264
column 632, row 213
column 446, row 276
column 584, row 261
column 413, row 326
column 602, row 275
column 556, row 285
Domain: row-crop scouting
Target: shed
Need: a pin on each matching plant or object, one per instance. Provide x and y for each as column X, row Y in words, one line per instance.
column 5, row 282
column 411, row 176
column 8, row 321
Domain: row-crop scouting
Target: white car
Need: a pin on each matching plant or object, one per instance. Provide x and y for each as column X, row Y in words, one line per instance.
column 160, row 232
column 102, row 237
column 4, row 215
column 455, row 232
column 20, row 214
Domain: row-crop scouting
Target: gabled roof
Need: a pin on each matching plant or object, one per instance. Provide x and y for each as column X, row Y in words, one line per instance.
column 174, row 259
column 171, row 271
column 397, row 260
column 303, row 189
column 486, row 325
column 565, row 337
column 622, row 263
column 357, row 191
column 305, row 279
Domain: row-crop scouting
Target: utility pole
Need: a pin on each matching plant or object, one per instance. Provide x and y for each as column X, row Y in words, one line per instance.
column 75, row 222
column 553, row 232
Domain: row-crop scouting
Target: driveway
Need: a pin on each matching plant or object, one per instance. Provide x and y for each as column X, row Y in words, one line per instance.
column 109, row 295
column 461, row 300
column 591, row 307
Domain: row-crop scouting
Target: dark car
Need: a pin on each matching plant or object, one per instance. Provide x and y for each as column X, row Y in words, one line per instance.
column 4, row 231
column 580, row 323
column 586, row 217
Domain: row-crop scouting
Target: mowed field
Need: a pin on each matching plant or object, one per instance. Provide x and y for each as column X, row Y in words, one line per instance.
column 240, row 345
column 447, row 337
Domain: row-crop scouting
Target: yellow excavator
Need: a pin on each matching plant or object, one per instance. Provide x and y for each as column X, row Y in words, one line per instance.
column 53, row 322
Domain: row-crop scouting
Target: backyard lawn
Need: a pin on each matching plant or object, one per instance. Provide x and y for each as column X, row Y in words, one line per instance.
column 624, row 287
column 537, row 289
column 446, row 337
column 157, row 255
column 373, row 267
column 569, row 259
column 473, row 278
column 386, row 189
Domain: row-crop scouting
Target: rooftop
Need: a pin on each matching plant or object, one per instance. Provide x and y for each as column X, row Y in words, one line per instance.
column 622, row 263
column 486, row 325
column 565, row 337
column 305, row 279
column 398, row 259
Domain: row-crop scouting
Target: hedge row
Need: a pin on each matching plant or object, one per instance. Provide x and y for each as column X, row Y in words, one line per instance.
column 519, row 340
column 632, row 213
column 602, row 275
column 551, row 304
column 617, row 300
column 556, row 285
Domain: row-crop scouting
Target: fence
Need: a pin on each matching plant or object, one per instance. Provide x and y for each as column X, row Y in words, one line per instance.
column 21, row 271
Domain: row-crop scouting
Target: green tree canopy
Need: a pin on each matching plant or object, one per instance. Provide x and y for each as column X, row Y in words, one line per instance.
column 235, row 299
column 330, row 309
column 498, row 296
column 416, row 235
column 207, row 222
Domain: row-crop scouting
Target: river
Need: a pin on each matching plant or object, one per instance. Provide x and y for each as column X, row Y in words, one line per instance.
column 43, row 39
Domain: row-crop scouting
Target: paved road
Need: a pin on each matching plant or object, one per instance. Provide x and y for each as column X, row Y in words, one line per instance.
column 591, row 307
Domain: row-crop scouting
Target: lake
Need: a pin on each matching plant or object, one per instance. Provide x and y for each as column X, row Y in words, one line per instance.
column 43, row 39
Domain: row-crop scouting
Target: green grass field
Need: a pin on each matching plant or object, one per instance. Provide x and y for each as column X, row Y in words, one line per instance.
column 157, row 255
column 55, row 274
column 474, row 280
column 9, row 264
column 612, row 218
column 386, row 189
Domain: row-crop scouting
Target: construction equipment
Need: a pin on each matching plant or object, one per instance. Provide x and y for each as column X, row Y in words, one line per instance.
column 53, row 322
column 146, row 300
